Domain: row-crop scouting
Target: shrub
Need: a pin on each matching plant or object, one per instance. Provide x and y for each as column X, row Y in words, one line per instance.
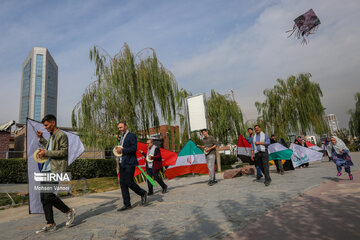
column 228, row 159
column 15, row 170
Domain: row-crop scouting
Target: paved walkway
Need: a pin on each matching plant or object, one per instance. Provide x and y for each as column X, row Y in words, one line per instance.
column 229, row 209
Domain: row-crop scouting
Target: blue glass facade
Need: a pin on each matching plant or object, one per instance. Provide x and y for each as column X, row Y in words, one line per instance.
column 51, row 89
column 24, row 111
column 39, row 86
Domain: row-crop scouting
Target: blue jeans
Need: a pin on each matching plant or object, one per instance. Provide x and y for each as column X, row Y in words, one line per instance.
column 258, row 171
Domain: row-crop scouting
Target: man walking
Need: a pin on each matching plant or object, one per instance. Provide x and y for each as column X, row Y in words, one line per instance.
column 154, row 166
column 56, row 150
column 259, row 152
column 209, row 147
column 250, row 140
column 127, row 164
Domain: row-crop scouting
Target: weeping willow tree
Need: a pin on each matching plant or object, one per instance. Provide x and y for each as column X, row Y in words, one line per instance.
column 225, row 118
column 293, row 105
column 354, row 122
column 181, row 113
column 135, row 88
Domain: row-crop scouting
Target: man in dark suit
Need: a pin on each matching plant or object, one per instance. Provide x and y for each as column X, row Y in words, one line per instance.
column 127, row 163
column 154, row 165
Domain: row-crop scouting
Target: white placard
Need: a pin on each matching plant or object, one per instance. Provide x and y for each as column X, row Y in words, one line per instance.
column 197, row 112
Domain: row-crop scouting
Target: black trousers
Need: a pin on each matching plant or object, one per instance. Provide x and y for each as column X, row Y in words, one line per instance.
column 262, row 160
column 49, row 200
column 126, row 182
column 155, row 174
column 279, row 166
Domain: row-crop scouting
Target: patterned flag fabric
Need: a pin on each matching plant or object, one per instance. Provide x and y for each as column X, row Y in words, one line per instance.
column 76, row 148
column 313, row 146
column 168, row 157
column 303, row 155
column 244, row 147
column 191, row 159
column 279, row 152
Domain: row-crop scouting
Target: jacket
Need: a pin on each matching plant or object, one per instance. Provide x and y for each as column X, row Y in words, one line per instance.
column 129, row 158
column 59, row 153
column 157, row 163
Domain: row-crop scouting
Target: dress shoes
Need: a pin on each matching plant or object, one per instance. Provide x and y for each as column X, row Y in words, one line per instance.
column 125, row 208
column 144, row 198
column 165, row 190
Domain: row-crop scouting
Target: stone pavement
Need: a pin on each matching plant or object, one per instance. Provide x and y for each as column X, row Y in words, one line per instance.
column 193, row 210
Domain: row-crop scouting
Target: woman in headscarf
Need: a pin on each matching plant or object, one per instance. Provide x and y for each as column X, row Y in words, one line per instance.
column 340, row 155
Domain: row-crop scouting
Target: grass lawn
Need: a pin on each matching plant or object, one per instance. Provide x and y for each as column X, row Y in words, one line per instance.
column 95, row 185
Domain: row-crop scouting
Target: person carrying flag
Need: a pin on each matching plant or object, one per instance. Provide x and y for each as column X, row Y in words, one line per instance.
column 57, row 154
column 154, row 166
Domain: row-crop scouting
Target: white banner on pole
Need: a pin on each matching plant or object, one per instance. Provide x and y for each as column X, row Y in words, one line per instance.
column 303, row 155
column 76, row 148
column 197, row 112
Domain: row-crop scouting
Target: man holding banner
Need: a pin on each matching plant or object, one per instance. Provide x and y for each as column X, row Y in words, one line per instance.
column 128, row 162
column 56, row 153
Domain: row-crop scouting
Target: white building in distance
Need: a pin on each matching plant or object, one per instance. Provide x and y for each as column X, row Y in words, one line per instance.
column 332, row 123
column 39, row 85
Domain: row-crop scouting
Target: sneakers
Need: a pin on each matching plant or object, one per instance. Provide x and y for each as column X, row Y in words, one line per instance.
column 144, row 198
column 47, row 228
column 351, row 177
column 338, row 174
column 258, row 177
column 70, row 216
column 282, row 172
column 267, row 184
column 212, row 182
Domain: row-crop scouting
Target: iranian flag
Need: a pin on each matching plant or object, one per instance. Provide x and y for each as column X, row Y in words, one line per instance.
column 190, row 160
column 168, row 157
column 279, row 152
column 244, row 147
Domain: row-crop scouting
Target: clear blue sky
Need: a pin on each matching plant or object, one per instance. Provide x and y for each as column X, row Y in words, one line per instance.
column 221, row 45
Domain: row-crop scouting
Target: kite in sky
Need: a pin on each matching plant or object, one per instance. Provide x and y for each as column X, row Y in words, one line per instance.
column 305, row 25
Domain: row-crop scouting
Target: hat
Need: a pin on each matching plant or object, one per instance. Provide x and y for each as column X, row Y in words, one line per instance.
column 37, row 157
column 116, row 153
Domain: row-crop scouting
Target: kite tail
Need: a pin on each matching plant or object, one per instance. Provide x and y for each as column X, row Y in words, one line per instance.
column 292, row 31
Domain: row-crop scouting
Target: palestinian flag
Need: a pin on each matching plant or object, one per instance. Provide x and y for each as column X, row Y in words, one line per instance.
column 168, row 157
column 191, row 159
column 279, row 152
column 313, row 146
column 244, row 147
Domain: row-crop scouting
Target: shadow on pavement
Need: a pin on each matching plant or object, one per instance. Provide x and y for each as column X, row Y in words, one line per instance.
column 315, row 218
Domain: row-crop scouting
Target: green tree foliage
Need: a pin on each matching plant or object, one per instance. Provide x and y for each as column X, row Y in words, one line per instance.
column 225, row 118
column 293, row 105
column 135, row 88
column 354, row 122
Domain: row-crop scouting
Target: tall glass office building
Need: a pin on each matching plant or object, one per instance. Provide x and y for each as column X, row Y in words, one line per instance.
column 39, row 85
